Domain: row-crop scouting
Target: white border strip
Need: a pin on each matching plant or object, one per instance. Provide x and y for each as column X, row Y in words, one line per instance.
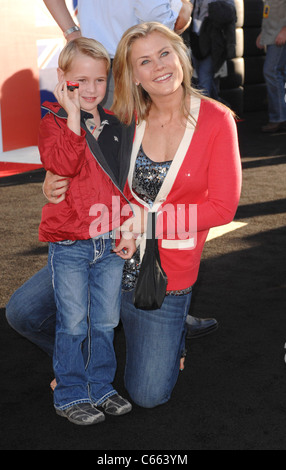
column 29, row 155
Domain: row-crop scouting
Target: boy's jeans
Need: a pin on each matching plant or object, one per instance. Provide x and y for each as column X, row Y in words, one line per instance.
column 86, row 278
column 31, row 311
column 275, row 77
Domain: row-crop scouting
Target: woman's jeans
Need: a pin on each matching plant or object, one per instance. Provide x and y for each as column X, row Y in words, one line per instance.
column 154, row 339
column 86, row 278
column 275, row 77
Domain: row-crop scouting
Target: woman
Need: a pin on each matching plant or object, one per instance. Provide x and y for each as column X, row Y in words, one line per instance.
column 185, row 154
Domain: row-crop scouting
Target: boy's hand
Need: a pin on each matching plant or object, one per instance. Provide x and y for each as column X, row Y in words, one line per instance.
column 126, row 247
column 69, row 100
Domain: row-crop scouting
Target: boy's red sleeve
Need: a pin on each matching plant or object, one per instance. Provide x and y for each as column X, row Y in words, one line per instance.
column 62, row 151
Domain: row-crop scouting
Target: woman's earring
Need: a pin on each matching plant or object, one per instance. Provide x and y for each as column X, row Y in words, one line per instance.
column 137, row 83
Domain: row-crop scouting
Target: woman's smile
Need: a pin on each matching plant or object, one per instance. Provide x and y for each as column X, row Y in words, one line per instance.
column 163, row 78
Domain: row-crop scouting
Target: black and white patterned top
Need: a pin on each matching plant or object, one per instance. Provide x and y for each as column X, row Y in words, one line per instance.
column 147, row 181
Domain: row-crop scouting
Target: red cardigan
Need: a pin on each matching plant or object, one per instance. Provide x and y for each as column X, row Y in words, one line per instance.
column 208, row 177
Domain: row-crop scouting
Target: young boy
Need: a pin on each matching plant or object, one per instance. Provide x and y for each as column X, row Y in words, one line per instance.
column 81, row 141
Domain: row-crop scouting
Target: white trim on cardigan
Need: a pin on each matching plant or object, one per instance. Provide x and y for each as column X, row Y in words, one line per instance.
column 172, row 174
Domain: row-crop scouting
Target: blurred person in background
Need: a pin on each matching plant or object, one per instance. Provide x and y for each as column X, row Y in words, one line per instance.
column 273, row 38
column 212, row 42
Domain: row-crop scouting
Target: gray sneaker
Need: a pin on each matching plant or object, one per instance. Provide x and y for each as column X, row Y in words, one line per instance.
column 83, row 414
column 116, row 406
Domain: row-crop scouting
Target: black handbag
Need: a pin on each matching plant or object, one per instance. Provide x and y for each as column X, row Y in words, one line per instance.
column 152, row 281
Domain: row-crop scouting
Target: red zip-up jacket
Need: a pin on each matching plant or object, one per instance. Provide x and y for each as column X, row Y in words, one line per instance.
column 95, row 198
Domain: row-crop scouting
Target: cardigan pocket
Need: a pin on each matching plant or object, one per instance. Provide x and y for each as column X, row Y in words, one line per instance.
column 188, row 244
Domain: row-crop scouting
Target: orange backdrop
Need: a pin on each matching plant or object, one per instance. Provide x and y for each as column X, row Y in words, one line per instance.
column 19, row 74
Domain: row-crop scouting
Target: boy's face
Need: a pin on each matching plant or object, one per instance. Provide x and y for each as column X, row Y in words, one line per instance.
column 91, row 74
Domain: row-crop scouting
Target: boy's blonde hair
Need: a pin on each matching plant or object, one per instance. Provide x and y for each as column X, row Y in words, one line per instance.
column 129, row 98
column 85, row 46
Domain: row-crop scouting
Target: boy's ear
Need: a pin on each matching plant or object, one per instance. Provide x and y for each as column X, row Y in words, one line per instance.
column 60, row 74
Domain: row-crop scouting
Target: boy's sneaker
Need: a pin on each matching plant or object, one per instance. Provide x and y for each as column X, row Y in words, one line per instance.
column 83, row 414
column 116, row 406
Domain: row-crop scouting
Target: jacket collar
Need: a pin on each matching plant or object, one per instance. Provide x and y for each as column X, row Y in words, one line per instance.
column 126, row 141
column 104, row 114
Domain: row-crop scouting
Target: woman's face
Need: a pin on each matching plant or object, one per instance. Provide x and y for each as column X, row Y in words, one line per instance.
column 156, row 66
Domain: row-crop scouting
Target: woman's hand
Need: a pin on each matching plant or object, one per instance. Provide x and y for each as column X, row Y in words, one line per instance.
column 55, row 187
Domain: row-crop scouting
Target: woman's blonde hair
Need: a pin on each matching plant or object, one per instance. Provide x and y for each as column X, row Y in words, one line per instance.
column 129, row 98
column 85, row 46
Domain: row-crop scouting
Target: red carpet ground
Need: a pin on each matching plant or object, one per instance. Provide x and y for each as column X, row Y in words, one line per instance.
column 8, row 169
column 232, row 395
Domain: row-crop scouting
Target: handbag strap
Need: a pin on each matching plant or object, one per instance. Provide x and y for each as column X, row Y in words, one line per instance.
column 151, row 240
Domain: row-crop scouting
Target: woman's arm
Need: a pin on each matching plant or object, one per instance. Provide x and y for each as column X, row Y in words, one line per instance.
column 224, row 178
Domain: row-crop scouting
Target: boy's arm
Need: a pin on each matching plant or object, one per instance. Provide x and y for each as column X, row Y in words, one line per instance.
column 62, row 151
column 61, row 15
